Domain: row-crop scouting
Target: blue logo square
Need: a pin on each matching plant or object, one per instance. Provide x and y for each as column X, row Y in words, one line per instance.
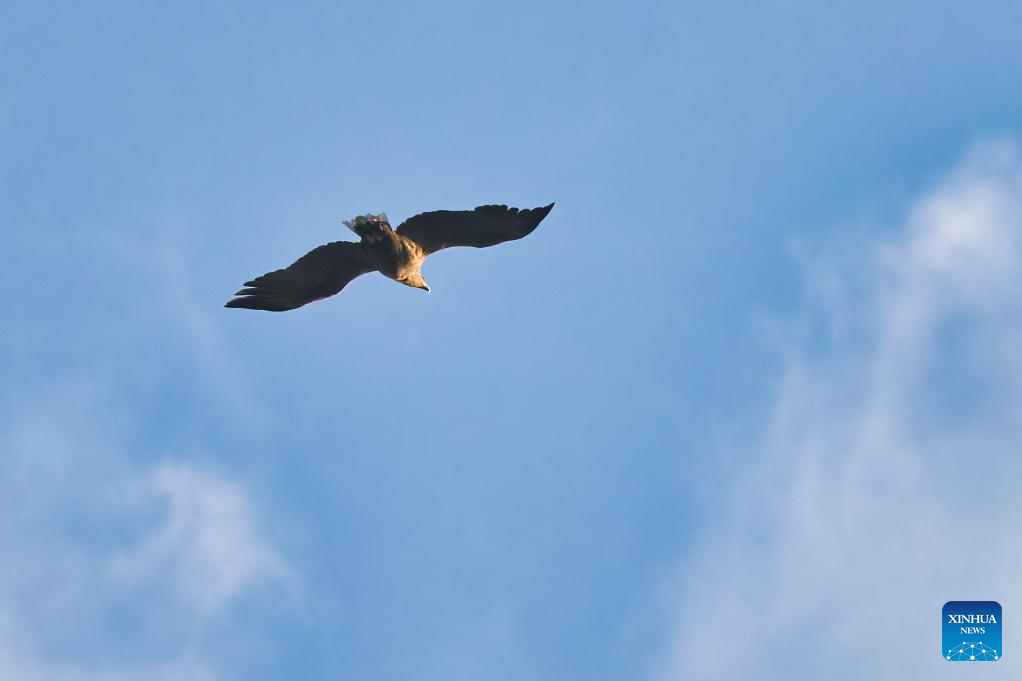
column 971, row 631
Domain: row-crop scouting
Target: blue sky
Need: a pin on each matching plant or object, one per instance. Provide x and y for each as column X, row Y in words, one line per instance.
column 783, row 254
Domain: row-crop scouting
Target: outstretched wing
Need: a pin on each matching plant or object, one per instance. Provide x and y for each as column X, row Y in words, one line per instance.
column 320, row 273
column 484, row 226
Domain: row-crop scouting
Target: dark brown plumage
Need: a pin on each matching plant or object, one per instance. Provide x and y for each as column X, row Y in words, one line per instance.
column 397, row 254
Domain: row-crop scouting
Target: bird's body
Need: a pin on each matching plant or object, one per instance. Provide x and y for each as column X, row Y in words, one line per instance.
column 396, row 254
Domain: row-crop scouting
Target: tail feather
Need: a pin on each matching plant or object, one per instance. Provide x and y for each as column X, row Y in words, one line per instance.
column 367, row 225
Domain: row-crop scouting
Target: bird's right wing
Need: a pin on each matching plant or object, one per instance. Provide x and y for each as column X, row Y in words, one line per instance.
column 320, row 273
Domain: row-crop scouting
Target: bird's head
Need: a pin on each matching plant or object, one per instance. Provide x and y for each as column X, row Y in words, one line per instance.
column 415, row 281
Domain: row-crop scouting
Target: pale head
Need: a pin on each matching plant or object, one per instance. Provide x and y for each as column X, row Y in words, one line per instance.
column 415, row 280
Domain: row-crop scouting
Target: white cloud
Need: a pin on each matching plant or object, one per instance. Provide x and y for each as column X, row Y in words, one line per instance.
column 886, row 482
column 207, row 543
column 95, row 534
column 92, row 536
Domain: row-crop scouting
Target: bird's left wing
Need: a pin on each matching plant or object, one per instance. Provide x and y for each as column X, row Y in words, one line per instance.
column 320, row 273
column 484, row 226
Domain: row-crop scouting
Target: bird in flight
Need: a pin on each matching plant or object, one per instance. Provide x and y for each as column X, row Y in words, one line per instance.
column 394, row 253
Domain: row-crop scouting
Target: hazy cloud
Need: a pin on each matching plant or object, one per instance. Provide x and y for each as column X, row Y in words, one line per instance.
column 89, row 530
column 886, row 482
column 207, row 542
column 19, row 662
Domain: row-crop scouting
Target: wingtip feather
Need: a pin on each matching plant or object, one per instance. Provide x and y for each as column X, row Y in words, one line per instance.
column 268, row 303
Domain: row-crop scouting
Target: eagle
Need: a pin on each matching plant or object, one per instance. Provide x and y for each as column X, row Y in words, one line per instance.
column 394, row 253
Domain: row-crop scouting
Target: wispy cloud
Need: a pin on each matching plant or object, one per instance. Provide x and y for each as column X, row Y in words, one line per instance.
column 207, row 544
column 19, row 661
column 164, row 261
column 886, row 482
column 201, row 329
column 92, row 534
